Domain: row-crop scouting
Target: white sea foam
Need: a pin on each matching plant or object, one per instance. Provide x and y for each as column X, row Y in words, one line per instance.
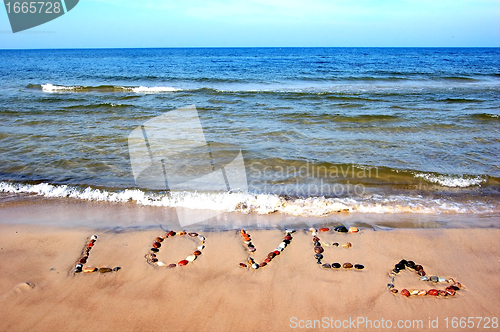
column 154, row 89
column 453, row 181
column 259, row 203
column 55, row 88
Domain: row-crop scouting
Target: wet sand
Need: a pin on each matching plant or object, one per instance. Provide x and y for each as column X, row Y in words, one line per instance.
column 38, row 291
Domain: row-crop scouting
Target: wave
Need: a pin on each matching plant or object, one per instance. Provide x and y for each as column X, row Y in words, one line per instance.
column 485, row 116
column 102, row 88
column 245, row 202
column 452, row 181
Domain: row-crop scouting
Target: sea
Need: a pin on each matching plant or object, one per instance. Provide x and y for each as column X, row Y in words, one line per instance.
column 321, row 131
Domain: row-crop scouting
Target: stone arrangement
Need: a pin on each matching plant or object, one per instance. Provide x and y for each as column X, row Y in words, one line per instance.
column 85, row 256
column 251, row 248
column 450, row 290
column 318, row 248
column 155, row 248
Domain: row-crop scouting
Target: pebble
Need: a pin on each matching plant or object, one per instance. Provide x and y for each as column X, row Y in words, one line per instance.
column 390, row 286
column 400, row 266
column 317, row 244
column 347, row 265
column 247, row 242
column 93, row 237
column 336, row 265
column 268, row 260
column 89, row 269
column 424, row 278
column 326, row 266
column 319, row 262
column 418, row 267
column 318, row 249
column 411, row 264
column 160, row 263
column 182, row 233
column 287, row 238
column 394, row 291
column 421, row 273
column 243, row 265
column 117, row 268
column 171, row 233
column 191, row 258
column 104, row 270
column 450, row 291
column 201, row 247
column 423, row 292
column 183, row 262
column 262, row 264
column 335, row 244
column 255, row 266
column 442, row 292
column 312, row 230
column 170, row 266
column 289, row 230
column 405, row 292
column 83, row 260
column 414, row 292
column 315, row 239
column 197, row 253
column 156, row 245
column 341, row 229
column 282, row 245
column 155, row 249
column 353, row 230
column 318, row 256
column 158, row 239
column 359, row 266
column 347, row 245
column 442, row 280
column 251, row 249
column 271, row 255
column 276, row 252
column 192, row 234
column 433, row 292
column 325, row 244
column 324, row 229
column 434, row 278
column 201, row 237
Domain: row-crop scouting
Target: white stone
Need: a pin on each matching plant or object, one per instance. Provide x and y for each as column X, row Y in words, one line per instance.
column 191, row 258
column 160, row 264
column 200, row 247
column 201, row 237
column 255, row 266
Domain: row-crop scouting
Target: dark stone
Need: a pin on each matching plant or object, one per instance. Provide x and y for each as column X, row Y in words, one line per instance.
column 117, row 268
column 287, row 238
column 400, row 266
column 421, row 273
column 359, row 267
column 105, row 270
column 156, row 245
column 271, row 255
column 396, row 270
column 318, row 256
column 286, row 242
column 243, row 265
column 411, row 265
column 403, row 261
column 317, row 244
column 319, row 261
column 326, row 266
column 315, row 239
column 155, row 249
column 170, row 266
column 335, row 244
column 419, row 267
column 341, row 229
column 336, row 266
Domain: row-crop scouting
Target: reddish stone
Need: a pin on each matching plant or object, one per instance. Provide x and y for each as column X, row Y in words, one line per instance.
column 90, row 244
column 171, row 266
column 243, row 232
column 158, row 239
column 182, row 263
column 262, row 264
column 418, row 267
column 287, row 238
column 450, row 291
column 171, row 233
column 271, row 255
column 83, row 260
column 433, row 292
column 318, row 250
column 405, row 292
column 315, row 239
column 156, row 245
column 442, row 292
column 276, row 252
column 243, row 265
column 267, row 260
column 197, row 253
column 421, row 273
column 324, row 229
column 246, row 238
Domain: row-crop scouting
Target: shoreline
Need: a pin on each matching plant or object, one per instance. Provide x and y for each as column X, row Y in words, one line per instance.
column 214, row 294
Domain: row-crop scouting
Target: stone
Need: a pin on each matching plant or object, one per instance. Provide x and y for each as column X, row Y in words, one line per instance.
column 317, row 244
column 418, row 267
column 171, row 233
column 405, row 292
column 400, row 266
column 318, row 249
column 262, row 264
column 287, row 238
column 243, row 232
column 191, row 258
column 156, row 245
column 453, row 287
column 390, row 286
column 251, row 249
column 411, row 265
column 424, row 278
column 158, row 239
column 335, row 244
column 183, row 262
column 289, row 230
column 155, row 249
column 442, row 292
column 450, row 291
column 243, row 265
column 200, row 247
column 282, row 245
column 347, row 265
column 422, row 292
column 271, row 255
column 170, row 266
column 193, row 234
column 315, row 239
column 433, row 292
column 268, row 260
column 90, row 244
column 353, row 230
column 89, row 269
column 181, row 233
column 403, row 262
column 83, row 260
column 347, row 245
column 336, row 266
column 325, row 244
column 324, row 229
column 441, row 279
column 341, row 229
column 104, row 270
column 276, row 252
column 255, row 266
column 160, row 264
column 117, row 268
column 395, row 270
column 421, row 273
column 318, row 256
column 279, row 249
column 394, row 291
column 359, row 266
column 319, row 262
column 197, row 253
column 93, row 237
column 414, row 291
column 434, row 278
column 201, row 237
column 247, row 242
column 312, row 230
column 326, row 266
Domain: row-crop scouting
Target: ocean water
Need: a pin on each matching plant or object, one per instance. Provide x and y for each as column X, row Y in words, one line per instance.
column 321, row 130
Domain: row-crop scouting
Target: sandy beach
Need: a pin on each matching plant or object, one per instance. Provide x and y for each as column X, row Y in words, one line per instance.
column 39, row 292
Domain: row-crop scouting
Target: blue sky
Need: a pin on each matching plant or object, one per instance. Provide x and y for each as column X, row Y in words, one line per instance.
column 249, row 23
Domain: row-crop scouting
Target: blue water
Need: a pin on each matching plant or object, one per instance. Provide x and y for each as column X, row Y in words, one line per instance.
column 424, row 121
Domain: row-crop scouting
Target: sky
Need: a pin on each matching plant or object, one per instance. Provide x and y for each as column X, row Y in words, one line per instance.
column 264, row 23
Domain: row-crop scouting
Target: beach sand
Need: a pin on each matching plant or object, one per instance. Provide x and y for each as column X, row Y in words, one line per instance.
column 38, row 292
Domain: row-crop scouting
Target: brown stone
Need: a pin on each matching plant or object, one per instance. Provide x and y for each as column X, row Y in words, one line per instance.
column 156, row 245
column 197, row 253
column 83, row 260
column 433, row 292
column 243, row 265
column 394, row 291
column 158, row 239
column 262, row 264
column 318, row 250
column 193, row 234
column 315, row 239
column 271, row 255
column 442, row 292
column 450, row 291
column 267, row 260
column 347, row 265
column 105, row 270
column 405, row 292
column 171, row 233
column 171, row 265
column 421, row 273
